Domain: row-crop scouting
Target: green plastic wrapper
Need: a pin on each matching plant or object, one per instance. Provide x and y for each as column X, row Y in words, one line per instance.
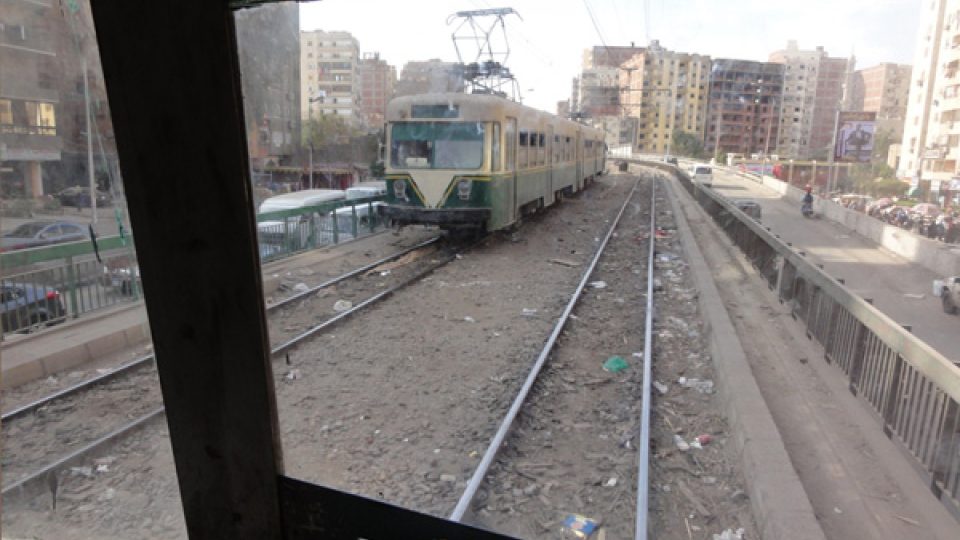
column 615, row 364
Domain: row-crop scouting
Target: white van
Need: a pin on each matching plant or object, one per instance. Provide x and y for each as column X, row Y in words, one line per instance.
column 362, row 190
column 701, row 174
column 293, row 228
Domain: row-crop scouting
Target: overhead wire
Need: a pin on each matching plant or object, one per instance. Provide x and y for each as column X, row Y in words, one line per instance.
column 596, row 27
column 541, row 56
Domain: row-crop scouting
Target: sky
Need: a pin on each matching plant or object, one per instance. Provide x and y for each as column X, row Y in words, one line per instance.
column 548, row 38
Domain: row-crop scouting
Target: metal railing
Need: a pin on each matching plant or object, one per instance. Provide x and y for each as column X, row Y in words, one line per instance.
column 913, row 391
column 50, row 284
column 47, row 285
column 285, row 232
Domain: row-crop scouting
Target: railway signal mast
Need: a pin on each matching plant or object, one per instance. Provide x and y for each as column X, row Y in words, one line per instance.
column 485, row 72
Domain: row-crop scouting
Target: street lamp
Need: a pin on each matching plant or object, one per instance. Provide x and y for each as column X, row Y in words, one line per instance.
column 310, row 101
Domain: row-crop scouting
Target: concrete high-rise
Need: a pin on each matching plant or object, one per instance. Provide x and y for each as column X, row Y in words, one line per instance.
column 329, row 85
column 813, row 92
column 378, row 80
column 430, row 77
column 883, row 89
column 663, row 92
column 743, row 109
column 29, row 96
column 268, row 42
column 930, row 148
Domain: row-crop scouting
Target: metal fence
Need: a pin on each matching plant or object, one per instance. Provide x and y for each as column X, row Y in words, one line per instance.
column 285, row 232
column 67, row 286
column 46, row 285
column 913, row 391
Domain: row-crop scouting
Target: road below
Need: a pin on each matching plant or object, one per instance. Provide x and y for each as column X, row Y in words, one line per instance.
column 898, row 287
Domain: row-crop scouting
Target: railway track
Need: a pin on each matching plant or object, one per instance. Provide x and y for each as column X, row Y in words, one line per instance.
column 42, row 413
column 466, row 507
column 43, row 477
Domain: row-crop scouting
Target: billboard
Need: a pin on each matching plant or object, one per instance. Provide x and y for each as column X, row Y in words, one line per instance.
column 855, row 134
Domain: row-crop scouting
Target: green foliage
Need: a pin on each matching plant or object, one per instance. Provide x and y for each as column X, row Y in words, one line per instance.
column 328, row 129
column 687, row 145
column 888, row 187
column 21, row 208
column 51, row 204
column 881, row 146
column 335, row 140
column 377, row 169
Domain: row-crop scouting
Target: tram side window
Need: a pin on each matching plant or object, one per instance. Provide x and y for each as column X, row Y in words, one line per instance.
column 495, row 147
column 522, row 157
column 567, row 149
column 534, row 159
column 542, row 153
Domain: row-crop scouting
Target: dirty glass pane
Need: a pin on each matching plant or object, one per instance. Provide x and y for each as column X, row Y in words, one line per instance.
column 73, row 309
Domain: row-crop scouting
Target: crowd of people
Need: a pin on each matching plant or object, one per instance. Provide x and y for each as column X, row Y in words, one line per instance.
column 924, row 219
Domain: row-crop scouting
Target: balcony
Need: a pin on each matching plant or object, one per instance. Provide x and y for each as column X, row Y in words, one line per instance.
column 29, row 143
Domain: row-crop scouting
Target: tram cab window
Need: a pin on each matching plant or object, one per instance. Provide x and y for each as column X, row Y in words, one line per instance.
column 437, row 145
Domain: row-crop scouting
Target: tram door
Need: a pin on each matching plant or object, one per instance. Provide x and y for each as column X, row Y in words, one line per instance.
column 550, row 149
column 510, row 143
column 578, row 152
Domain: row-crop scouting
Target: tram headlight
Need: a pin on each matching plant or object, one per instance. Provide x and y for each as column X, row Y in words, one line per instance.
column 400, row 189
column 464, row 188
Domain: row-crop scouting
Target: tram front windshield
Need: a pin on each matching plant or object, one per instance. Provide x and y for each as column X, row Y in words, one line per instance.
column 436, row 145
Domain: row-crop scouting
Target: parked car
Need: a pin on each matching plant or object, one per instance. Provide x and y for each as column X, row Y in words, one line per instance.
column 701, row 174
column 42, row 233
column 26, row 305
column 121, row 273
column 79, row 197
column 362, row 190
column 670, row 159
column 749, row 208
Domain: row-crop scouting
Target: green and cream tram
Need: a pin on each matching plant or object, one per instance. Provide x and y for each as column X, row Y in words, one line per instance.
column 481, row 161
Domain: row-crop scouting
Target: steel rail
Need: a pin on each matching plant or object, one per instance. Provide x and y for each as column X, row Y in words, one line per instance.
column 643, row 470
column 140, row 362
column 350, row 274
column 42, row 473
column 293, row 342
column 93, row 446
column 481, row 471
column 72, row 389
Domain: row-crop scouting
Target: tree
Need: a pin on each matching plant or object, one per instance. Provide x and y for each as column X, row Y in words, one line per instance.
column 687, row 145
column 335, row 139
column 327, row 130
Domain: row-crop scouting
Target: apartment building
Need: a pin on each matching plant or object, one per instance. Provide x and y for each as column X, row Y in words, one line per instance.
column 329, row 84
column 29, row 95
column 431, row 76
column 597, row 95
column 663, row 91
column 268, row 38
column 883, row 89
column 931, row 135
column 743, row 108
column 813, row 92
column 378, row 81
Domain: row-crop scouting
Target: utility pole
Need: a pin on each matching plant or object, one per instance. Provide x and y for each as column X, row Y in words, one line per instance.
column 833, row 150
column 93, row 181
